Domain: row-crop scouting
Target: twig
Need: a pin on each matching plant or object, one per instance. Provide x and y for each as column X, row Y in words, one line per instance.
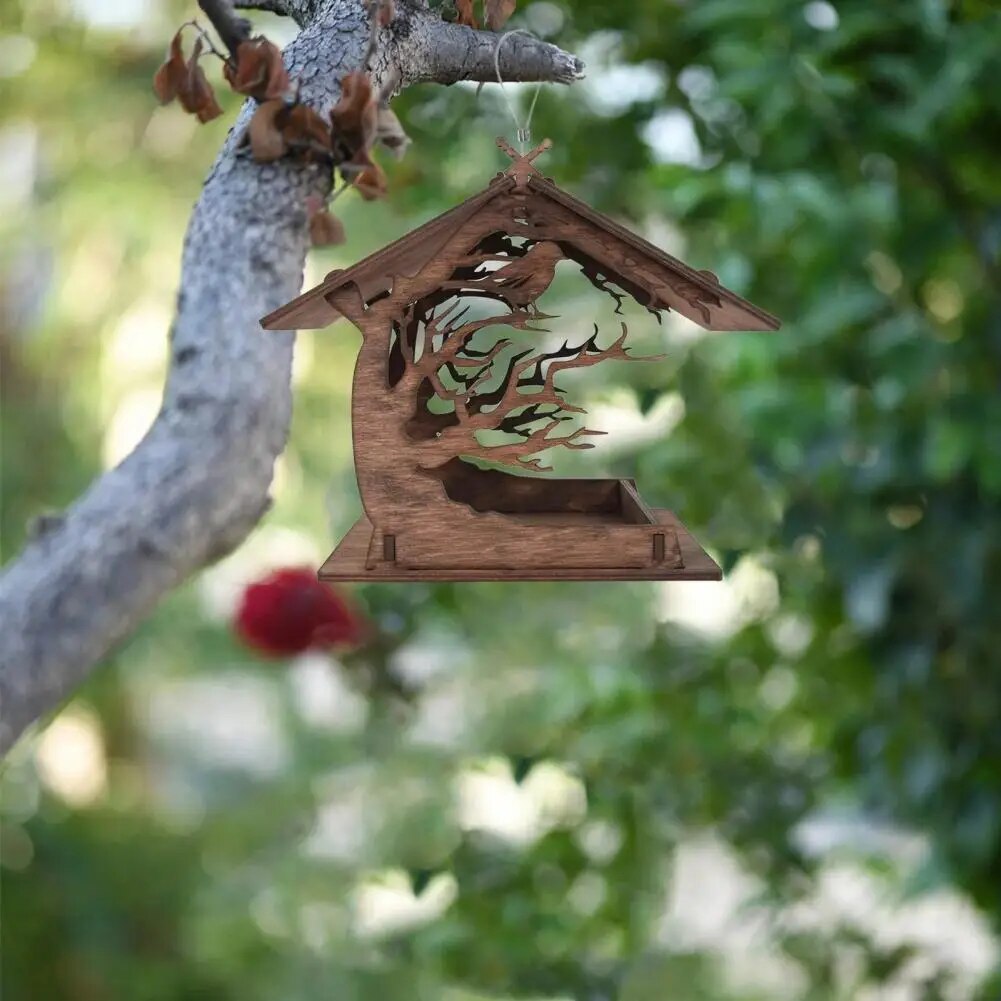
column 344, row 187
column 271, row 6
column 390, row 87
column 232, row 29
column 205, row 37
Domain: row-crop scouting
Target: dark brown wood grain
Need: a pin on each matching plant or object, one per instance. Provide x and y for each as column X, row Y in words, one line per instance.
column 347, row 564
column 433, row 400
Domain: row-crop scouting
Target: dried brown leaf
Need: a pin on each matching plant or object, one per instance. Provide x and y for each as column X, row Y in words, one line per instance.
column 466, row 15
column 498, row 12
column 350, row 169
column 389, row 131
column 355, row 116
column 195, row 92
column 325, row 230
column 266, row 140
column 258, row 71
column 303, row 127
column 171, row 76
column 371, row 183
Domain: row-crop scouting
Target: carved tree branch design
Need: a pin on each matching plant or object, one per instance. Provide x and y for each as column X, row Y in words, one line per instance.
column 498, row 389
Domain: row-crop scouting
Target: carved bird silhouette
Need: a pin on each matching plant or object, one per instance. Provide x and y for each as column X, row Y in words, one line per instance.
column 526, row 278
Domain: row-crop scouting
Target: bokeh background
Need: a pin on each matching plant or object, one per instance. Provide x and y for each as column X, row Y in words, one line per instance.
column 787, row 785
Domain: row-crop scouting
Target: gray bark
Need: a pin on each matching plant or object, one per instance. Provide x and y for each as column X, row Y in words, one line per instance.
column 198, row 482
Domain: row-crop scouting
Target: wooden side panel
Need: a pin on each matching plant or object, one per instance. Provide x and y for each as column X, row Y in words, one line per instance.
column 506, row 493
column 347, row 563
column 633, row 507
column 537, row 547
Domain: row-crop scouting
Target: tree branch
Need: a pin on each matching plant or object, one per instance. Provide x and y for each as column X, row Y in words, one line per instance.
column 198, row 482
column 447, row 53
column 301, row 11
column 268, row 6
column 232, row 29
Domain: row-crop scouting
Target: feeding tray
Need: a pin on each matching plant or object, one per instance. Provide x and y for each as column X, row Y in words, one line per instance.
column 568, row 529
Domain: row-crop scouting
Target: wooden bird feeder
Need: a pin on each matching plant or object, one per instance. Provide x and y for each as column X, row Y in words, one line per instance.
column 427, row 392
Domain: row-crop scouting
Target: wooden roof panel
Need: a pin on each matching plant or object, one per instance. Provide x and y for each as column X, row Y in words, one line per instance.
column 374, row 274
column 732, row 312
column 675, row 285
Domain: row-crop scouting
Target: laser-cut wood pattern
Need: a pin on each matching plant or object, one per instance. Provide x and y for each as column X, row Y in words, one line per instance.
column 430, row 395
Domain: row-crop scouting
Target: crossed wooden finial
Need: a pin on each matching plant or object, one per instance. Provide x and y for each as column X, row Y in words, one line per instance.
column 522, row 168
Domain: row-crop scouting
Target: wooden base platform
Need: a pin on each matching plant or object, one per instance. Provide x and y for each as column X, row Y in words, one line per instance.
column 347, row 563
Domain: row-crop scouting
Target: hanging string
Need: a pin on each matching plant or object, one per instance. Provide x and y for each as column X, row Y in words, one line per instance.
column 524, row 131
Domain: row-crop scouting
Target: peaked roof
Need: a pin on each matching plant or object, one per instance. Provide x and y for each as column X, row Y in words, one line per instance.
column 695, row 294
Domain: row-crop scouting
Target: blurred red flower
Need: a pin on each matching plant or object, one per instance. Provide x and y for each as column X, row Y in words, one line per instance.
column 290, row 611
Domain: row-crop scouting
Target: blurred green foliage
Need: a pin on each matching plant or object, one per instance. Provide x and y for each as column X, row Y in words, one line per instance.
column 197, row 824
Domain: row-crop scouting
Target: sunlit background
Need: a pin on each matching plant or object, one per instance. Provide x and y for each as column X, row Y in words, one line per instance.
column 787, row 785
